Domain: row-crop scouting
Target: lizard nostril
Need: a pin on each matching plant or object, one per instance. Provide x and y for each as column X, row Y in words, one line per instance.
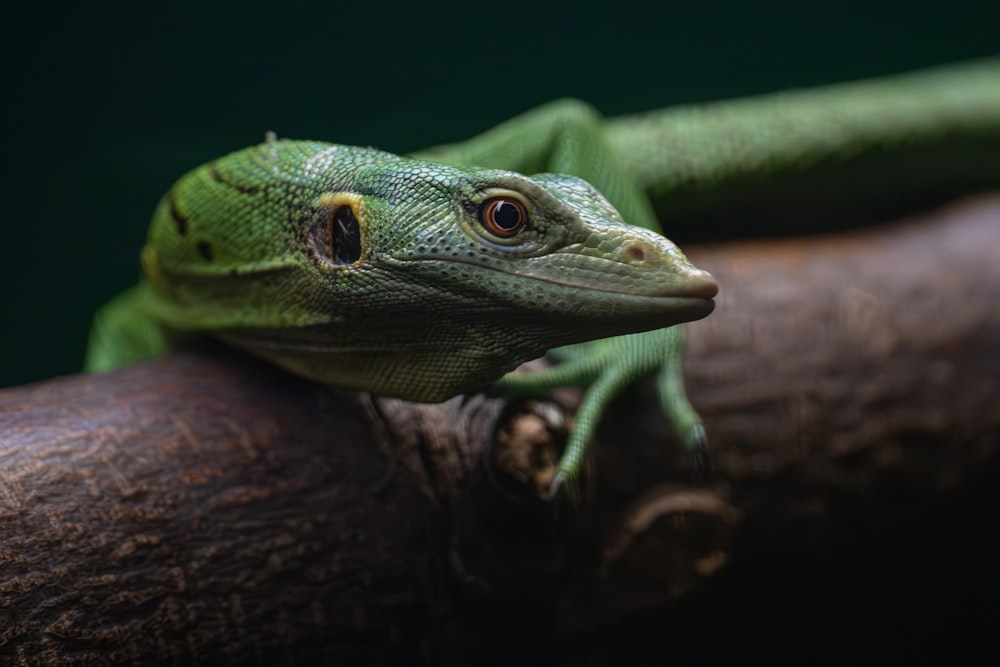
column 635, row 252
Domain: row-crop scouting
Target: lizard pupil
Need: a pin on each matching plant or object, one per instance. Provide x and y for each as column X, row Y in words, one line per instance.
column 504, row 216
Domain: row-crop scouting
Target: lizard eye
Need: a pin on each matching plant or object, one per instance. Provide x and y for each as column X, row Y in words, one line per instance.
column 505, row 217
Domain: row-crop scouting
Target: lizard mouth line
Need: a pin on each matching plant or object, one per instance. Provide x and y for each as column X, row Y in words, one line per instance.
column 674, row 294
column 701, row 287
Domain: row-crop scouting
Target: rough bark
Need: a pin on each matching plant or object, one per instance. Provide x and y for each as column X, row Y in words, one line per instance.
column 205, row 507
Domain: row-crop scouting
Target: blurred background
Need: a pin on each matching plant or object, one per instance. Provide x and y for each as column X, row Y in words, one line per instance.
column 107, row 109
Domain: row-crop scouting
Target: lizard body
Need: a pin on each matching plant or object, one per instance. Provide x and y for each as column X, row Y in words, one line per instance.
column 367, row 270
column 426, row 279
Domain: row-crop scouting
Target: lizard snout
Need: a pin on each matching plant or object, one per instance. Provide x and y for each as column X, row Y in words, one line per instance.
column 685, row 279
column 699, row 284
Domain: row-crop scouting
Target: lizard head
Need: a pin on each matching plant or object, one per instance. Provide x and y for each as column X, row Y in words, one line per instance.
column 548, row 252
column 418, row 280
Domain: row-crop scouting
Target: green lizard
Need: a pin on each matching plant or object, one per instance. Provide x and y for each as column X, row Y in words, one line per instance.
column 432, row 276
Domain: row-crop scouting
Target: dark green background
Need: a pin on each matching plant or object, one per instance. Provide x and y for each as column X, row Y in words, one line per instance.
column 108, row 108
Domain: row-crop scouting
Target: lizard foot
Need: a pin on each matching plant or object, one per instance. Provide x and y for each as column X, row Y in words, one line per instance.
column 607, row 367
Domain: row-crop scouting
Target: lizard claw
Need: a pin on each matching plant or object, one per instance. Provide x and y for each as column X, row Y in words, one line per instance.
column 697, row 444
column 556, row 486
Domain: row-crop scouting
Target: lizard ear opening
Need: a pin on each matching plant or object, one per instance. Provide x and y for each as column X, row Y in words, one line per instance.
column 346, row 236
column 336, row 235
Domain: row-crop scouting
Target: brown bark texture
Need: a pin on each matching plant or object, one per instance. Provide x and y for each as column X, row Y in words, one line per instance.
column 206, row 508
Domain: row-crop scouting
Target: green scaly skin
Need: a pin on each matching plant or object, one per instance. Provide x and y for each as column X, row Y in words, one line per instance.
column 432, row 304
